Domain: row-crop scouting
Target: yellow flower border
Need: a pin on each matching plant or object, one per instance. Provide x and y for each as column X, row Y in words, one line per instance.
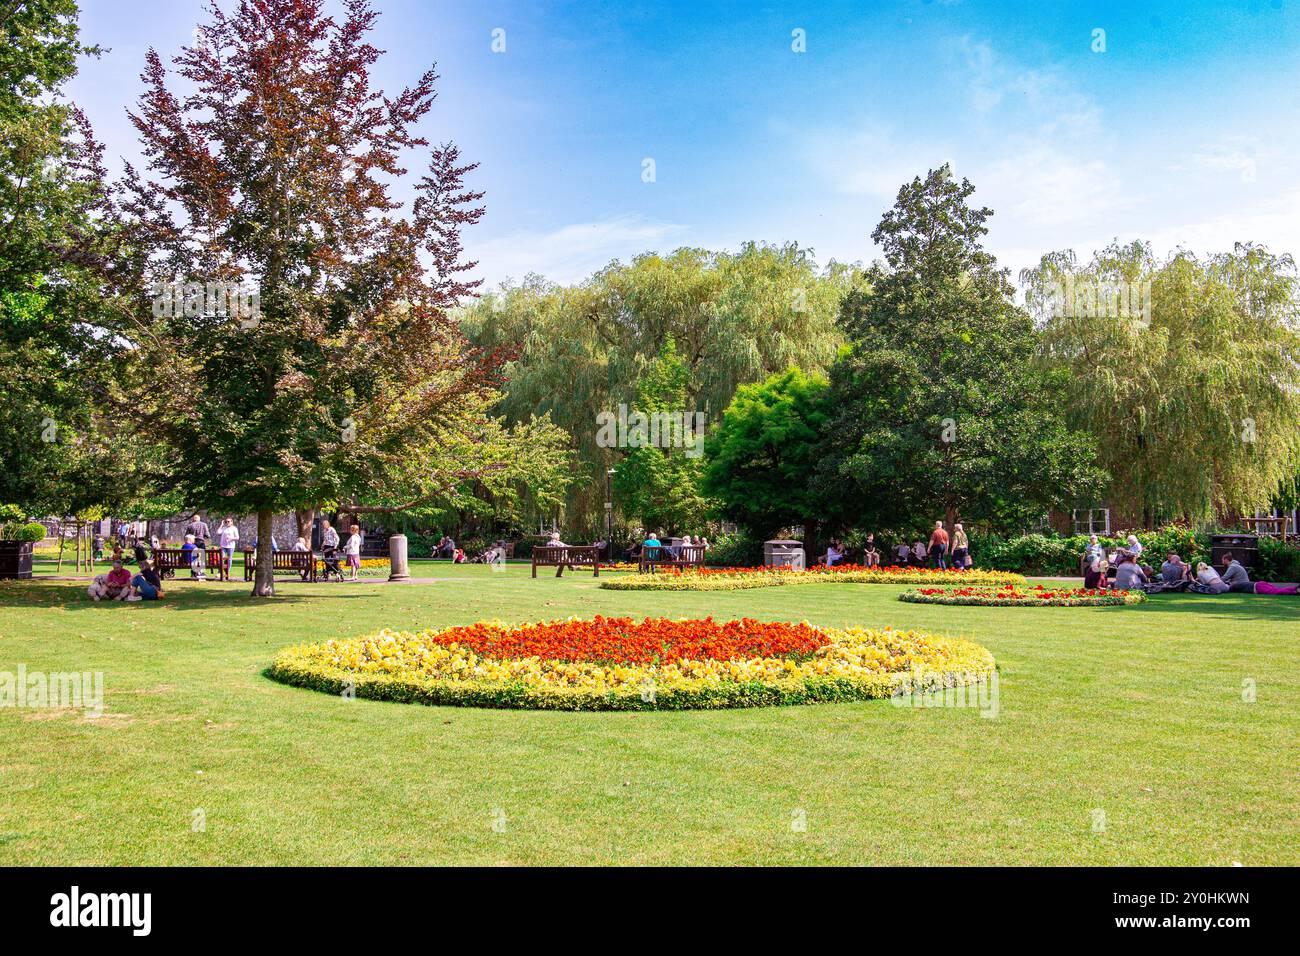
column 687, row 581
column 857, row 664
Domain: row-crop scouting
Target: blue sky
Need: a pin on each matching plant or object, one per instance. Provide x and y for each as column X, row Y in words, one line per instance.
column 1185, row 131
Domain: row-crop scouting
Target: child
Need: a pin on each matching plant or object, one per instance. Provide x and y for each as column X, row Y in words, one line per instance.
column 194, row 558
column 353, row 551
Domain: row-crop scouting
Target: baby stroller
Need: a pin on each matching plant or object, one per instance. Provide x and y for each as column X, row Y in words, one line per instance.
column 330, row 556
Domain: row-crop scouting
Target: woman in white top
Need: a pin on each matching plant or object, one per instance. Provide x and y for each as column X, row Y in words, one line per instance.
column 227, row 538
column 353, row 551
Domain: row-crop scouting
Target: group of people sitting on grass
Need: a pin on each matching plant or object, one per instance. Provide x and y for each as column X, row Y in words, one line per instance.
column 120, row 585
column 943, row 551
column 1174, row 574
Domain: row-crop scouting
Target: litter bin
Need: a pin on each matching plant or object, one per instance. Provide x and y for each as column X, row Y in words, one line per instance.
column 1244, row 547
column 784, row 546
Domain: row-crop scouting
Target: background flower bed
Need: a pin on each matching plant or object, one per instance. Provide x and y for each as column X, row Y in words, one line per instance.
column 617, row 664
column 1015, row 597
column 729, row 579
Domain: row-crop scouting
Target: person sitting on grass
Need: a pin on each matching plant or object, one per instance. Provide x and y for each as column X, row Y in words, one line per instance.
column 147, row 584
column 1174, row 572
column 1209, row 579
column 118, row 582
column 1094, row 563
column 1130, row 576
column 1235, row 576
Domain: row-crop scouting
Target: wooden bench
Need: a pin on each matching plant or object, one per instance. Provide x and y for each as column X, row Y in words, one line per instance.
column 688, row 556
column 167, row 561
column 302, row 563
column 587, row 556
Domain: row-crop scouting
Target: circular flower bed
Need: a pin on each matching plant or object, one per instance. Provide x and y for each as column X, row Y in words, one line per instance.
column 621, row 664
column 1010, row 596
column 731, row 579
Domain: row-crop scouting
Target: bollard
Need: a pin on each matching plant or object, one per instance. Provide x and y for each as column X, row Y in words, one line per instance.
column 397, row 558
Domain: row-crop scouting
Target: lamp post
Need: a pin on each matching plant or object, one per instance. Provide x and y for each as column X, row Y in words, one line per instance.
column 609, row 511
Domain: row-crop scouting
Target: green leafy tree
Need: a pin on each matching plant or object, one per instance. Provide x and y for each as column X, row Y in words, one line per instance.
column 1187, row 372
column 582, row 350
column 762, row 455
column 940, row 409
column 273, row 173
column 658, row 485
column 54, row 433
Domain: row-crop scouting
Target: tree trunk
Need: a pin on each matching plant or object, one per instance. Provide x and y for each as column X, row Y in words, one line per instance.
column 264, row 575
column 305, row 517
column 63, row 539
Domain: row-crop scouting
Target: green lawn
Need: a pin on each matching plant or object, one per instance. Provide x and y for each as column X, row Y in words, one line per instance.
column 1137, row 712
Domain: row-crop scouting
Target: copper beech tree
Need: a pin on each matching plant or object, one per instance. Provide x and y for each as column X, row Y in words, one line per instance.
column 293, row 342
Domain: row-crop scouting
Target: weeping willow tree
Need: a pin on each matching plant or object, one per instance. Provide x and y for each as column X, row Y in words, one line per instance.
column 1186, row 370
column 582, row 349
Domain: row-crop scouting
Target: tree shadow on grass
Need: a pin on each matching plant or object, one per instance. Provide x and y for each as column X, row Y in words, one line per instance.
column 71, row 596
column 1284, row 608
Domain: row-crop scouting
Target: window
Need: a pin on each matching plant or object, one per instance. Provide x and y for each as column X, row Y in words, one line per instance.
column 1091, row 521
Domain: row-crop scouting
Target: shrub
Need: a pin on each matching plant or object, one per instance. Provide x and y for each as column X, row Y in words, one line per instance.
column 20, row 531
column 739, row 550
column 1277, row 561
column 1038, row 554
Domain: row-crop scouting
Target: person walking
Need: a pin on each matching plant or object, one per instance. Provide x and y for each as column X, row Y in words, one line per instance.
column 353, row 551
column 227, row 539
column 939, row 546
column 960, row 548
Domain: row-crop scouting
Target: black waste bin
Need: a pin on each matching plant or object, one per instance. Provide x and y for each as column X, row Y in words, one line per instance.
column 1244, row 547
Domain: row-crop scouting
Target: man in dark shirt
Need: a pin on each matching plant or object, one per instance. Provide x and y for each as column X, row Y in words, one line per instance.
column 199, row 528
column 147, row 583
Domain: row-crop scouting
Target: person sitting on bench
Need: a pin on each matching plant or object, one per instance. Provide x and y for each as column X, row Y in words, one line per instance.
column 870, row 553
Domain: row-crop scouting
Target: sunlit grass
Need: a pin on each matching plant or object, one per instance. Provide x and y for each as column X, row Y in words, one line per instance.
column 1137, row 712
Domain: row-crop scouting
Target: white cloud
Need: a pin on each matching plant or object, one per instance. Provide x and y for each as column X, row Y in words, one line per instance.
column 570, row 253
column 1040, row 185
